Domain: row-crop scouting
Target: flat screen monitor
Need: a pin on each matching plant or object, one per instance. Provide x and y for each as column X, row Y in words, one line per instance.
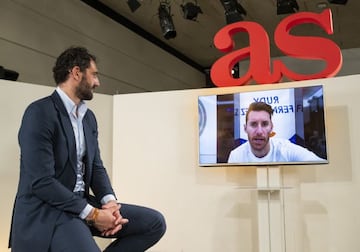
column 282, row 126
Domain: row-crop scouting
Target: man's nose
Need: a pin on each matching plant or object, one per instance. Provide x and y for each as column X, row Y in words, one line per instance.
column 259, row 129
column 97, row 83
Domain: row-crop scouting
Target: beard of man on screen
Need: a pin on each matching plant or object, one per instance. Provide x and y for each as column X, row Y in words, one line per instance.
column 261, row 147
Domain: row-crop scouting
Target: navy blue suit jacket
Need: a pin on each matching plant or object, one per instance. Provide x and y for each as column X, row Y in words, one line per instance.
column 48, row 173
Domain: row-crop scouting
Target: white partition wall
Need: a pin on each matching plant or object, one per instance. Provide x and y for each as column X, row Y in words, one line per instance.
column 155, row 158
column 150, row 140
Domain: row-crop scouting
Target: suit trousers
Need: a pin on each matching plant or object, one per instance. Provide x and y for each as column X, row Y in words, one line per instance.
column 145, row 228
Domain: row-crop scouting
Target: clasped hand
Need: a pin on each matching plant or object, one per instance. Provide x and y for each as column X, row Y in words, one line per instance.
column 109, row 220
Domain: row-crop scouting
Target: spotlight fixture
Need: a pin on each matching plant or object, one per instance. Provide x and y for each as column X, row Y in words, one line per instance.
column 233, row 11
column 235, row 72
column 191, row 10
column 7, row 74
column 343, row 2
column 286, row 7
column 133, row 5
column 166, row 23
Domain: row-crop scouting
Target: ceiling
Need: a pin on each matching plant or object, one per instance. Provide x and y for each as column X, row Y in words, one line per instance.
column 194, row 40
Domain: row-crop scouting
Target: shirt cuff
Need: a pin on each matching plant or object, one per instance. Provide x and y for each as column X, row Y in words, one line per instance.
column 107, row 198
column 86, row 211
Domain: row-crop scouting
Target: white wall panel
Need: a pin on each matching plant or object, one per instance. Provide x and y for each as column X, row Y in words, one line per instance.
column 213, row 209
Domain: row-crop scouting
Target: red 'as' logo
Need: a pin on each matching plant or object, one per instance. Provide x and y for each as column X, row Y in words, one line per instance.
column 258, row 51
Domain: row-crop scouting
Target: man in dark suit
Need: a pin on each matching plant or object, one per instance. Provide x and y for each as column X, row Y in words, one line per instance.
column 60, row 163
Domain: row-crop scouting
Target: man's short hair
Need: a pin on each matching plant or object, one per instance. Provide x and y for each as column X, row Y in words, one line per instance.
column 259, row 106
column 71, row 57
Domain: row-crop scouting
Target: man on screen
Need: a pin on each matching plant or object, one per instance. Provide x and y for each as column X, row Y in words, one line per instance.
column 261, row 147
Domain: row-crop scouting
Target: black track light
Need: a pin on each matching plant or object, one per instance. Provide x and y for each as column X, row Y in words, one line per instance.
column 166, row 23
column 191, row 10
column 133, row 5
column 286, row 7
column 343, row 2
column 7, row 74
column 234, row 12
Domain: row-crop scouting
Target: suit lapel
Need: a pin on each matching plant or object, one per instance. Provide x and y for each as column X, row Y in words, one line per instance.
column 66, row 124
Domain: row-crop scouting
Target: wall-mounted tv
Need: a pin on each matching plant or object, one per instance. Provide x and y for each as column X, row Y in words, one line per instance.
column 270, row 127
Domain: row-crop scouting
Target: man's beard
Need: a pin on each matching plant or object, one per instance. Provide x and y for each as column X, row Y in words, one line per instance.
column 84, row 90
column 259, row 146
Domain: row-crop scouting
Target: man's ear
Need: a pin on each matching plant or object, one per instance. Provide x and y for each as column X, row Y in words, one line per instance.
column 75, row 73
